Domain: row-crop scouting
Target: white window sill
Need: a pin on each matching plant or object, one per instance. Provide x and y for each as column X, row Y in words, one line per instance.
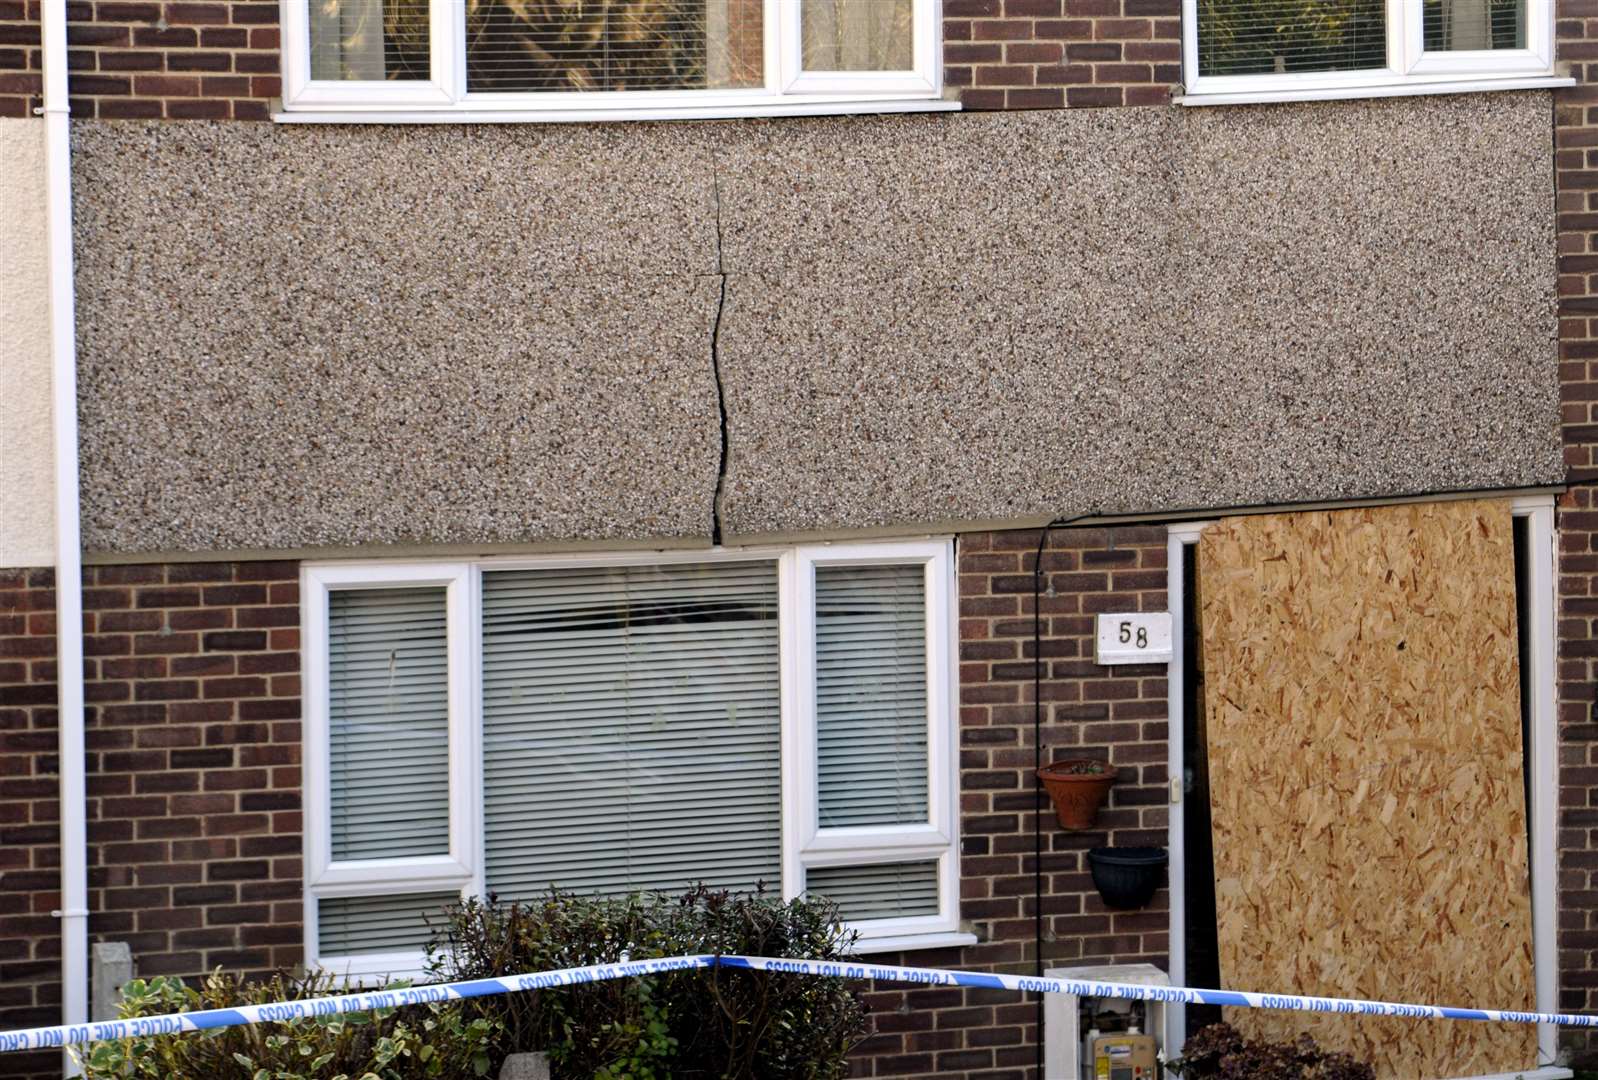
column 1396, row 89
column 1547, row 1072
column 588, row 116
column 912, row 943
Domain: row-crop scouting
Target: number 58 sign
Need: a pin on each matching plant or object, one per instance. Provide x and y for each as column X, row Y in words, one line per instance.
column 1136, row 638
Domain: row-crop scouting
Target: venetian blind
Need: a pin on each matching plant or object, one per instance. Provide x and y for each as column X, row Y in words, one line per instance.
column 631, row 728
column 388, row 722
column 348, row 925
column 871, row 694
column 1262, row 37
column 626, row 45
column 898, row 891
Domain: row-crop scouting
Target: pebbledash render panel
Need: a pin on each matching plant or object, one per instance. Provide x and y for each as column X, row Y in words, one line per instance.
column 999, row 317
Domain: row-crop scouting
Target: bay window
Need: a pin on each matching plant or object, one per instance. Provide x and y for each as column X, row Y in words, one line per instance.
column 587, row 59
column 1285, row 49
column 762, row 718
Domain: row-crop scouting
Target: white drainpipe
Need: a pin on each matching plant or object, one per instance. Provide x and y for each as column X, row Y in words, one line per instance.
column 74, row 913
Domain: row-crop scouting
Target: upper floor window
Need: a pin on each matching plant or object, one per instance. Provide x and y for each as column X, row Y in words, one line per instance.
column 1321, row 48
column 592, row 58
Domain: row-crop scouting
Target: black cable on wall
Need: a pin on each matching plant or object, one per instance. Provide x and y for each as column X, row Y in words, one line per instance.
column 1037, row 755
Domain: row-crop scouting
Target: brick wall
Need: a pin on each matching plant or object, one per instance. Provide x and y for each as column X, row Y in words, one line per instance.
column 131, row 59
column 218, row 59
column 194, row 750
column 1045, row 54
column 1118, row 714
column 1576, row 175
column 193, row 738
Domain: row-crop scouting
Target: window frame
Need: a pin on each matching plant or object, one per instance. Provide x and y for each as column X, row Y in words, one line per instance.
column 1410, row 67
column 804, row 843
column 326, row 877
column 445, row 95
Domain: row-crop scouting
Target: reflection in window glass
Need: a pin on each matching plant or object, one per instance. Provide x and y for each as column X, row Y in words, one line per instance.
column 857, row 35
column 1265, row 37
column 557, row 45
column 1468, row 25
column 370, row 40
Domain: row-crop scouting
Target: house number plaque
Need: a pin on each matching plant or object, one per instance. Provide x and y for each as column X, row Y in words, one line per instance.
column 1142, row 637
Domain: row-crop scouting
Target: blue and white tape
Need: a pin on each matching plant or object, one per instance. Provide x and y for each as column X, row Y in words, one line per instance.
column 47, row 1038
column 50, row 1038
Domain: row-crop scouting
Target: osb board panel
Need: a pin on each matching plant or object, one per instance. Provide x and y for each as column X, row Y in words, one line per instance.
column 1366, row 799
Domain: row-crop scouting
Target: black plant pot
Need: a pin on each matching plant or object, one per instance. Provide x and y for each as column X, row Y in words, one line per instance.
column 1127, row 877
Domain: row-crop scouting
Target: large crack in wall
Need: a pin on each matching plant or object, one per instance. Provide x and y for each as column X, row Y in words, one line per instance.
column 715, row 363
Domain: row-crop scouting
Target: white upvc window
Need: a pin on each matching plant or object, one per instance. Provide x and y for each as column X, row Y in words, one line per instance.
column 420, row 60
column 1282, row 50
column 776, row 717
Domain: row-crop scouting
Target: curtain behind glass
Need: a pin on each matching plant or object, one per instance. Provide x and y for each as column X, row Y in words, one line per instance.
column 1467, row 25
column 369, row 39
column 857, row 35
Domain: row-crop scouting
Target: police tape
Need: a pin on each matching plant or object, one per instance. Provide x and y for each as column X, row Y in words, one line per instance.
column 48, row 1038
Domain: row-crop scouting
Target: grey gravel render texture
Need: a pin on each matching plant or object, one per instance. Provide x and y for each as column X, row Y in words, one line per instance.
column 301, row 337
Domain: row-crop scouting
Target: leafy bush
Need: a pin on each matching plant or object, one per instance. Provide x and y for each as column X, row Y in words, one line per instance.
column 1220, row 1051
column 435, row 1040
column 713, row 1023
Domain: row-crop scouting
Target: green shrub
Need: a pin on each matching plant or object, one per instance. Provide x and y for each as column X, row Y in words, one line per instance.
column 716, row 1023
column 417, row 1041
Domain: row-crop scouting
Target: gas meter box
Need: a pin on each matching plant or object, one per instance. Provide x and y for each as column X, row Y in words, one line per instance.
column 1128, row 1056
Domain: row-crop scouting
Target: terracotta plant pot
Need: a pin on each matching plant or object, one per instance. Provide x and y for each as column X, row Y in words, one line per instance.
column 1077, row 787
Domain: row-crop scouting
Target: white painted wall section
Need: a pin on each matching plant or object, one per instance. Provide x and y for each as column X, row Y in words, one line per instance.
column 27, row 516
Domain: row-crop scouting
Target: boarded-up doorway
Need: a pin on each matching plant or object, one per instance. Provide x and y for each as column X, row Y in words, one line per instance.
column 1364, row 742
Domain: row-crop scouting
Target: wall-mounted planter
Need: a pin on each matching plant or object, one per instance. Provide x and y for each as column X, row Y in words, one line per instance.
column 1077, row 787
column 1127, row 877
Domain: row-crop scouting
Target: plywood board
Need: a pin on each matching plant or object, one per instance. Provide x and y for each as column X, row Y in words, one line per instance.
column 1364, row 739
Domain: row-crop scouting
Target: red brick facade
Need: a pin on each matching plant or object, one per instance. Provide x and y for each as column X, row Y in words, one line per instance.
column 129, row 59
column 219, row 59
column 1048, row 54
column 1576, row 165
column 1117, row 714
column 193, row 738
column 194, row 783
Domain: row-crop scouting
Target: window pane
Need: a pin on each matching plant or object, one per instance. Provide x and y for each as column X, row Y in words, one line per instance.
column 561, row 45
column 377, row 924
column 388, row 722
column 1262, row 37
column 871, row 695
column 857, row 35
column 878, row 892
column 369, row 39
column 1458, row 25
column 631, row 728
